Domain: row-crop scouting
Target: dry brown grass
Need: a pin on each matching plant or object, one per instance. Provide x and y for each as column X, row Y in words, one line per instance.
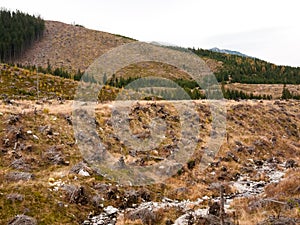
column 289, row 187
column 260, row 89
column 247, row 122
column 278, row 201
column 156, row 69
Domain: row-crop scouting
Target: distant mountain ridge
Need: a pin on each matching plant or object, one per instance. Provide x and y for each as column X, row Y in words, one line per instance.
column 231, row 52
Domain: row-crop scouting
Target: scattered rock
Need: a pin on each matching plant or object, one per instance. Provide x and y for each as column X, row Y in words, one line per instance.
column 130, row 198
column 247, row 169
column 20, row 164
column 83, row 167
column 146, row 215
column 83, row 173
column 23, row 220
column 103, row 218
column 47, row 130
column 260, row 143
column 223, row 168
column 69, row 119
column 194, row 218
column 145, row 194
column 13, row 136
column 191, row 164
column 3, row 151
column 97, row 201
column 17, row 176
column 112, row 193
column 77, row 195
column 169, row 222
column 256, row 204
column 27, row 148
column 35, row 137
column 181, row 190
column 250, row 149
column 101, row 187
column 273, row 160
column 110, row 210
column 214, row 209
column 209, row 220
column 229, row 156
column 55, row 155
column 222, row 176
column 240, row 148
column 13, row 119
column 217, row 163
column 258, row 162
column 279, row 221
column 205, row 197
column 290, row 163
column 15, row 197
column 238, row 143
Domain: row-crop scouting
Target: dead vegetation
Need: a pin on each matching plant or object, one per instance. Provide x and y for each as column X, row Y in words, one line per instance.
column 275, row 90
column 42, row 172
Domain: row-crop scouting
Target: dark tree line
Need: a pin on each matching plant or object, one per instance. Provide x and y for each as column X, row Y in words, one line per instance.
column 239, row 69
column 190, row 87
column 60, row 72
column 17, row 33
column 236, row 95
column 286, row 94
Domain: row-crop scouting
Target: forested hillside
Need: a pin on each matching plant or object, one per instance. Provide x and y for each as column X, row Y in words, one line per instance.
column 18, row 31
column 238, row 69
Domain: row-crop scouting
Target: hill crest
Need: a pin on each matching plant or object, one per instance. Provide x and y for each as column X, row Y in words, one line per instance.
column 227, row 51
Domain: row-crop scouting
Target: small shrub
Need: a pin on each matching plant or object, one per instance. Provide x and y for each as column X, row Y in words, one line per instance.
column 46, row 110
column 191, row 164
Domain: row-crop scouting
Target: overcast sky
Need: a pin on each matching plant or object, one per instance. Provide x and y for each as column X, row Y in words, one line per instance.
column 265, row 29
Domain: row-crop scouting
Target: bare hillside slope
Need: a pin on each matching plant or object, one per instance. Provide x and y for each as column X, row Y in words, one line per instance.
column 71, row 47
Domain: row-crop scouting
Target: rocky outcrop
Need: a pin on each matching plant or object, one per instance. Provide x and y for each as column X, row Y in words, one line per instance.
column 108, row 217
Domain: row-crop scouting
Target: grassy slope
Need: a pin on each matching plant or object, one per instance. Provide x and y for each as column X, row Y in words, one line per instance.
column 18, row 83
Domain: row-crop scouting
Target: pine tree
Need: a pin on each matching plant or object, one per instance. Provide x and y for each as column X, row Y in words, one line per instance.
column 286, row 94
column 18, row 31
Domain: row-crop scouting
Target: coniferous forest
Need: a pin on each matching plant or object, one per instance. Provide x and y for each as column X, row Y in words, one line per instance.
column 18, row 31
column 248, row 70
